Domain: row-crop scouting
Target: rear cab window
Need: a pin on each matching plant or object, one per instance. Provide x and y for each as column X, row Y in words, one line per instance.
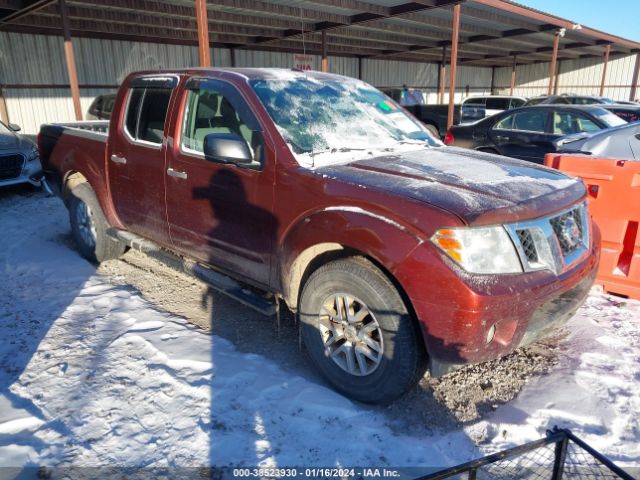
column 147, row 108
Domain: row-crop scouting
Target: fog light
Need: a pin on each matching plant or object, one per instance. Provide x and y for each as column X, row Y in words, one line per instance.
column 491, row 333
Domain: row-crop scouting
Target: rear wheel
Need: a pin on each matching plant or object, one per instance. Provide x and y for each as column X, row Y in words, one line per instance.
column 359, row 333
column 89, row 226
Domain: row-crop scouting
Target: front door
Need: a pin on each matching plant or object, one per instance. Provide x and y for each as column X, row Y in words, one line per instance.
column 136, row 158
column 524, row 135
column 221, row 213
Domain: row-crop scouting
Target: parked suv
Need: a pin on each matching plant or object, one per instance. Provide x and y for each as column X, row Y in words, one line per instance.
column 569, row 99
column 476, row 108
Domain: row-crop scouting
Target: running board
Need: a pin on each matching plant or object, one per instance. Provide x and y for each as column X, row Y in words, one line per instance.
column 216, row 280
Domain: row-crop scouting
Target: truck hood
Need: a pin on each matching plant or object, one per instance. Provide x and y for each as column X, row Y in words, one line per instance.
column 479, row 188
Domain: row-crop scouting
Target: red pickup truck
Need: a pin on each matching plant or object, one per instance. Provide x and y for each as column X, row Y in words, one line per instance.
column 395, row 251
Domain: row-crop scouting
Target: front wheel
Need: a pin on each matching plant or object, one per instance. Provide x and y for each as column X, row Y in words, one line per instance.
column 359, row 333
column 89, row 226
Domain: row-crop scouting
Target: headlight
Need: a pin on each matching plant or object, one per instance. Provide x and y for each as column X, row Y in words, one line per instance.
column 482, row 250
column 33, row 154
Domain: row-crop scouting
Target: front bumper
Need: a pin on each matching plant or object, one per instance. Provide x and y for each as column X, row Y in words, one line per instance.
column 31, row 173
column 459, row 313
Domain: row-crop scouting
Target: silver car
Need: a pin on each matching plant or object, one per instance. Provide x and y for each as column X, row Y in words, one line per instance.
column 19, row 159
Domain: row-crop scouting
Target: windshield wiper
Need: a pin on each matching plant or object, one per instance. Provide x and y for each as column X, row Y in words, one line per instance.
column 336, row 150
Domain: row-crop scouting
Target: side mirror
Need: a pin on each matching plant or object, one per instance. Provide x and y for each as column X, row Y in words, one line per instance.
column 15, row 127
column 227, row 148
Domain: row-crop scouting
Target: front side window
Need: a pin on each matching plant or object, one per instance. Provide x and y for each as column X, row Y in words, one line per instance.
column 565, row 123
column 147, row 113
column 209, row 111
column 531, row 121
column 329, row 121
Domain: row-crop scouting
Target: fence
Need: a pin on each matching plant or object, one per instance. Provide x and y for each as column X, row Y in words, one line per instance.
column 559, row 456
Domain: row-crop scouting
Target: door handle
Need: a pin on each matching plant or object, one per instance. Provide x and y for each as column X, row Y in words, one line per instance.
column 174, row 173
column 117, row 159
column 502, row 138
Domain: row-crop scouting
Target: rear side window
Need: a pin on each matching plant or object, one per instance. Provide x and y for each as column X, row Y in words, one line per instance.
column 497, row 103
column 475, row 102
column 535, row 121
column 146, row 113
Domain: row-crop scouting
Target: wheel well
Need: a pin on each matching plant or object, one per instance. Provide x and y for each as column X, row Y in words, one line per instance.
column 71, row 180
column 314, row 257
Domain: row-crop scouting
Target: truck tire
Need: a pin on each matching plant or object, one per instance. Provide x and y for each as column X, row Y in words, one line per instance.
column 359, row 333
column 89, row 226
column 433, row 130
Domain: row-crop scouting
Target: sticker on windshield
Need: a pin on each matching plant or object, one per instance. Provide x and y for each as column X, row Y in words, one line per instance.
column 386, row 106
column 402, row 122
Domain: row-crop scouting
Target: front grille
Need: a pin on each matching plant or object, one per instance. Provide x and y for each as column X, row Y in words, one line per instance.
column 11, row 166
column 528, row 245
column 561, row 226
column 553, row 243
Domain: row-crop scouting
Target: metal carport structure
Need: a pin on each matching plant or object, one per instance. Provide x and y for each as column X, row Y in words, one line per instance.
column 483, row 33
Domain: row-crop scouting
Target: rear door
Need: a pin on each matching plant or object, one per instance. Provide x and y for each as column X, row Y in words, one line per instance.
column 220, row 213
column 524, row 134
column 136, row 157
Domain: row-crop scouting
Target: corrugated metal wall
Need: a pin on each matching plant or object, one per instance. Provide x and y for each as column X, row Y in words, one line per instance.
column 582, row 76
column 38, row 61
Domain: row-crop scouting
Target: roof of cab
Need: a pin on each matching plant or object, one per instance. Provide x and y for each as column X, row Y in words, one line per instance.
column 251, row 73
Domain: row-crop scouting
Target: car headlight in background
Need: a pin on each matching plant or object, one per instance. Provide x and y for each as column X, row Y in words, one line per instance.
column 33, row 154
column 483, row 250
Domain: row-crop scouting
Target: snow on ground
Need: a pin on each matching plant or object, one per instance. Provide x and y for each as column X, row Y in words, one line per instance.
column 93, row 374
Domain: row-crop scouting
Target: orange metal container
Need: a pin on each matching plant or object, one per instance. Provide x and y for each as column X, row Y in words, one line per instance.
column 614, row 203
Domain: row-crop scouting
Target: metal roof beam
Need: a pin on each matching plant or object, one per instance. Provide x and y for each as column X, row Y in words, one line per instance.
column 368, row 16
column 24, row 7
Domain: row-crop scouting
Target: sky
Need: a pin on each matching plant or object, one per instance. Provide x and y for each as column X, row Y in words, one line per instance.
column 618, row 17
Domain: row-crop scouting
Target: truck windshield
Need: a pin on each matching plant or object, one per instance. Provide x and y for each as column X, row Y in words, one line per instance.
column 333, row 121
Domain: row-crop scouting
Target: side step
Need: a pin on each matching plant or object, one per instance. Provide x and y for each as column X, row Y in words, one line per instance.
column 216, row 280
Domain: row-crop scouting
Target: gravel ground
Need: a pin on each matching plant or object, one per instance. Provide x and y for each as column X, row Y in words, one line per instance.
column 440, row 404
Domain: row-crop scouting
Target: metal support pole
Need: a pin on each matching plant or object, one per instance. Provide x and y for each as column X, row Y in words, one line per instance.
column 203, row 33
column 557, row 79
column 634, row 81
column 359, row 68
column 554, row 59
column 70, row 58
column 325, row 61
column 442, row 74
column 607, row 51
column 513, row 76
column 453, row 62
column 493, row 80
